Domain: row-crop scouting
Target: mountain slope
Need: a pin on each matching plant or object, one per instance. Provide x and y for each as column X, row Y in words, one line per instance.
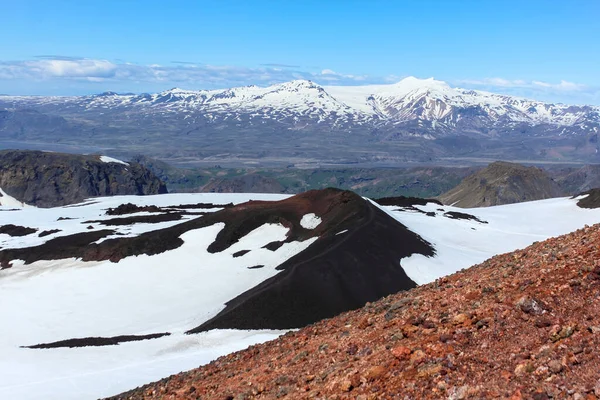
column 50, row 179
column 355, row 260
column 137, row 274
column 502, row 183
column 522, row 326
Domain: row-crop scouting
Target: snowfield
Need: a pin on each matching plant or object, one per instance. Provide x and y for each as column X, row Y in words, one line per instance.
column 174, row 291
column 462, row 243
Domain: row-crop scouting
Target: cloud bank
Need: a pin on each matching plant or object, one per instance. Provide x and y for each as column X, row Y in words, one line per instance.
column 100, row 75
column 565, row 90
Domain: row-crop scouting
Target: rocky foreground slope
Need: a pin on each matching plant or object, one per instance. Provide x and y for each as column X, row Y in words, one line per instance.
column 46, row 179
column 502, row 183
column 522, row 325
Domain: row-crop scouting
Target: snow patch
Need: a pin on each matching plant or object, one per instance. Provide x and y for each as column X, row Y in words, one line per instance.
column 310, row 221
column 107, row 159
column 9, row 201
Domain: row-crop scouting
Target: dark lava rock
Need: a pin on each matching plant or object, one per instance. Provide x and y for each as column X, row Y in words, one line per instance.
column 139, row 219
column 54, row 179
column 336, row 273
column 96, row 341
column 48, row 232
column 15, row 230
column 591, row 201
column 461, row 215
column 240, row 253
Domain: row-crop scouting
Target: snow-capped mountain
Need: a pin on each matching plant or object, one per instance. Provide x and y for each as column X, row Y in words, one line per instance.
column 425, row 107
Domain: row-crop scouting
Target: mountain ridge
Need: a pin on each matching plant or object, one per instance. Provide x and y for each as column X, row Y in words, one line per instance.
column 411, row 99
column 502, row 183
column 302, row 123
column 48, row 179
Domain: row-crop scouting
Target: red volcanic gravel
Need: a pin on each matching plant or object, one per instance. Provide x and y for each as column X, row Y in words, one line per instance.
column 524, row 325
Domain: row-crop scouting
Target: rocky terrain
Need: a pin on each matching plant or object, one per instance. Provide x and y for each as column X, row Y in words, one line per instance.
column 502, row 183
column 522, row 325
column 47, row 179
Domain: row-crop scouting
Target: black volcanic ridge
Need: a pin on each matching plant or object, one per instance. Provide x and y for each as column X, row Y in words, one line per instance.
column 337, row 273
column 355, row 258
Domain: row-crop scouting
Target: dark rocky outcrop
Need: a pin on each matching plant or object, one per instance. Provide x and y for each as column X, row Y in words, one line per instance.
column 337, row 273
column 592, row 200
column 96, row 341
column 502, row 183
column 48, row 179
column 465, row 216
column 15, row 230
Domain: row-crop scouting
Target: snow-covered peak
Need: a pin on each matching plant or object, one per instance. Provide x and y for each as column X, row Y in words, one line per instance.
column 178, row 91
column 298, row 85
column 411, row 83
column 412, row 88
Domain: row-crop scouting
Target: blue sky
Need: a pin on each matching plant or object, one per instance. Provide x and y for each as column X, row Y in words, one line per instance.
column 543, row 49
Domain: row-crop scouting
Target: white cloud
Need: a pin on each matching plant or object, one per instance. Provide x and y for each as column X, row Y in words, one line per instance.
column 52, row 70
column 563, row 91
column 75, row 68
column 195, row 75
column 563, row 85
column 519, row 83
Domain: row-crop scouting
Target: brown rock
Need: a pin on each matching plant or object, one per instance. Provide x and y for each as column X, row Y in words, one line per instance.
column 444, row 337
column 346, row 385
column 376, row 372
column 461, row 319
column 523, row 369
column 529, row 305
column 401, row 352
column 555, row 366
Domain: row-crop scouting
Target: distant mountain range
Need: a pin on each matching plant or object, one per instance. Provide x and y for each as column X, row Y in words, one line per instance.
column 412, row 108
column 424, row 106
